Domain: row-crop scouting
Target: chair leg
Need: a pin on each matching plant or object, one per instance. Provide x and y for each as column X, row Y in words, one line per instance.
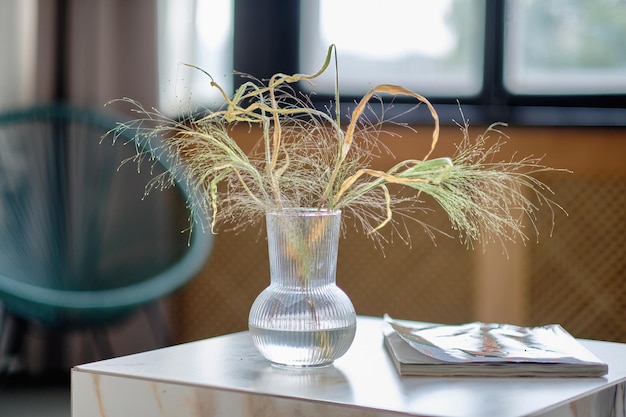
column 102, row 343
column 158, row 324
column 12, row 333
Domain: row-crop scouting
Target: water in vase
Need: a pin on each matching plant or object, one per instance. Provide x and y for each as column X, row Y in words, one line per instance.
column 300, row 348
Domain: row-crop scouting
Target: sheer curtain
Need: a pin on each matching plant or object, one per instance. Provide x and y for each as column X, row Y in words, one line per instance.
column 200, row 33
column 81, row 52
column 18, row 23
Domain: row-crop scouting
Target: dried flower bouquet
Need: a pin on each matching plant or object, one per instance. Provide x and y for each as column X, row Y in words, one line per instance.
column 308, row 158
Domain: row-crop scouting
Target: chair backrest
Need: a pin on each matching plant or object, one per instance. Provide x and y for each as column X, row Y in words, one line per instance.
column 79, row 241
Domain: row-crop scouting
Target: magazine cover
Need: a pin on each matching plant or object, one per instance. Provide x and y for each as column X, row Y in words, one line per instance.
column 478, row 348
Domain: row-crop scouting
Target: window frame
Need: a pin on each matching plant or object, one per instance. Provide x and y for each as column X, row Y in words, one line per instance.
column 265, row 52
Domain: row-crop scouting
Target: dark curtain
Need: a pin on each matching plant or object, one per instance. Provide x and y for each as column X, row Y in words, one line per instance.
column 87, row 52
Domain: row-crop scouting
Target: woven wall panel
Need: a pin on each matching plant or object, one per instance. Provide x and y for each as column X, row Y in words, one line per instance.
column 578, row 276
column 422, row 282
column 218, row 300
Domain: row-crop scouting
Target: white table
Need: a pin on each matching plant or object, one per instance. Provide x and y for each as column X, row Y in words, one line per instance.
column 225, row 376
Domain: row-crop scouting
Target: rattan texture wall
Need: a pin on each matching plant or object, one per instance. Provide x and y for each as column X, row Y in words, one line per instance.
column 419, row 281
column 574, row 275
column 578, row 277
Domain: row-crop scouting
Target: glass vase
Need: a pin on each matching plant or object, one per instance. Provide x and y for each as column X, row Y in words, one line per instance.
column 302, row 319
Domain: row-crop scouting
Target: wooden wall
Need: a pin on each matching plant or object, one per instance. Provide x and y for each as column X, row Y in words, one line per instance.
column 575, row 276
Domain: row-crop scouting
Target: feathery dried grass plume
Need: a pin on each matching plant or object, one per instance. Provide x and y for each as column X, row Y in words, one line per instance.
column 306, row 158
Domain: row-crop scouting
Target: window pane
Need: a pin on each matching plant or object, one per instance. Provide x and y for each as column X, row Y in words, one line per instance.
column 432, row 47
column 197, row 32
column 565, row 47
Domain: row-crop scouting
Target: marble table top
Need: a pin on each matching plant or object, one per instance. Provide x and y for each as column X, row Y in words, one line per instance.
column 227, row 376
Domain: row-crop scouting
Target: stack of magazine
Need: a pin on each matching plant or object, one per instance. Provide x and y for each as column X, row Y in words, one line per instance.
column 487, row 349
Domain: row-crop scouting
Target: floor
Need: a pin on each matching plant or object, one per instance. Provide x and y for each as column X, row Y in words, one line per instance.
column 33, row 391
column 30, row 396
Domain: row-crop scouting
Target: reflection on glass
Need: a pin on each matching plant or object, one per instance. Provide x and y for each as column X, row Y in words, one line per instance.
column 433, row 47
column 565, row 47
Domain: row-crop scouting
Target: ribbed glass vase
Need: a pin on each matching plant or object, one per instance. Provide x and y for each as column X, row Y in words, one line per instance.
column 302, row 319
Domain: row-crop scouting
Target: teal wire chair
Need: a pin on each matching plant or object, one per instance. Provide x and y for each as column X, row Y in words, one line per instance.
column 80, row 244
